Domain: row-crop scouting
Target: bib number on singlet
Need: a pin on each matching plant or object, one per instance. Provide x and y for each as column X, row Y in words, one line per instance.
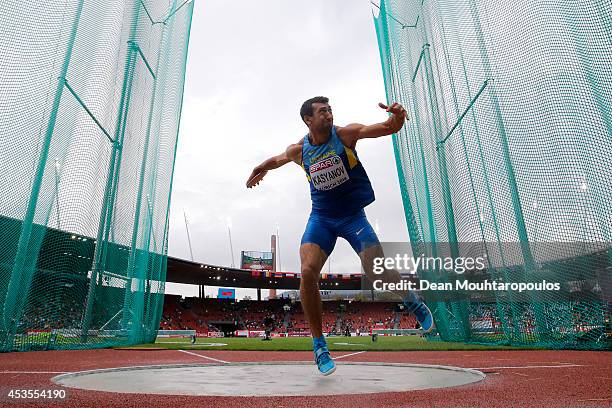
column 328, row 173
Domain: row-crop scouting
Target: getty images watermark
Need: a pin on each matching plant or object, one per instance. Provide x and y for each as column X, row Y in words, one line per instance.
column 476, row 267
column 457, row 265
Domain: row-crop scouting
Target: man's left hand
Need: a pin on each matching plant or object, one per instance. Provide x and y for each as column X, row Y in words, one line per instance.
column 395, row 109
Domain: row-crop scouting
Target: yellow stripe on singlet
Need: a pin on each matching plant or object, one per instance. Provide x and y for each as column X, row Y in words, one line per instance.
column 351, row 157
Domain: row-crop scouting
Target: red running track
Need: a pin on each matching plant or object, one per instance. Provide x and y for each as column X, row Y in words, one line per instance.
column 514, row 379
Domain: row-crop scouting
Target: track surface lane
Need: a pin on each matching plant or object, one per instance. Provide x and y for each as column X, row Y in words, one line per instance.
column 515, row 379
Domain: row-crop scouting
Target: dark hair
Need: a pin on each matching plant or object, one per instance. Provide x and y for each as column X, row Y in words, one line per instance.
column 306, row 109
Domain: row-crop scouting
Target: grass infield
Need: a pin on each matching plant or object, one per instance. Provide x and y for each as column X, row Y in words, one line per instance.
column 384, row 343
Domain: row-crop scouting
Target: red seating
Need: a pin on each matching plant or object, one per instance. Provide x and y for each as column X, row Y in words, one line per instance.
column 200, row 314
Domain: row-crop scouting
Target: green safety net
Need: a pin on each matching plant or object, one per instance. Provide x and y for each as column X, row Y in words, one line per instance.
column 90, row 101
column 508, row 145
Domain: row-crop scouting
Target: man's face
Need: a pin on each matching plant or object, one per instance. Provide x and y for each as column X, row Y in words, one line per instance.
column 322, row 117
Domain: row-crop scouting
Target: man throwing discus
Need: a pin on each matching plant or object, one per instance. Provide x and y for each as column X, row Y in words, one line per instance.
column 340, row 190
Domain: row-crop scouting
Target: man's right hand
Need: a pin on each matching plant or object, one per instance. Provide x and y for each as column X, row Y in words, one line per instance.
column 293, row 153
column 256, row 176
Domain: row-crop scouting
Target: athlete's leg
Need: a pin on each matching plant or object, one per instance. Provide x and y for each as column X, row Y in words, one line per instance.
column 312, row 259
column 317, row 243
column 413, row 302
column 367, row 257
column 360, row 234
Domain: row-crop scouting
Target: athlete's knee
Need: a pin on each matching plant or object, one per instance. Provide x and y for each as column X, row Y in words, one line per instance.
column 310, row 275
column 369, row 253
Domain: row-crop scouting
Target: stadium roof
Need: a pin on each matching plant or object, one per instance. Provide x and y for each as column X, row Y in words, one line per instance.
column 64, row 252
column 72, row 253
column 194, row 273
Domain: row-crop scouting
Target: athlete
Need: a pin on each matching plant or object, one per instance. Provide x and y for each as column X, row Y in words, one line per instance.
column 340, row 190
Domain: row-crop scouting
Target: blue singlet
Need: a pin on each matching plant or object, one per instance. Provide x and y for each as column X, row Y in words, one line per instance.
column 340, row 189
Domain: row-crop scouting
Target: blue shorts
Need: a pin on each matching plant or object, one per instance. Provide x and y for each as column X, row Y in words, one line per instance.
column 324, row 231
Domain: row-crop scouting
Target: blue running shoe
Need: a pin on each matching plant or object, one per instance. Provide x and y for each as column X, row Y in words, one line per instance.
column 416, row 306
column 324, row 361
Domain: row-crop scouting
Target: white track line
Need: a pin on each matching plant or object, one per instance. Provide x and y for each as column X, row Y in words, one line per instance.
column 538, row 366
column 34, row 372
column 596, row 399
column 348, row 355
column 201, row 356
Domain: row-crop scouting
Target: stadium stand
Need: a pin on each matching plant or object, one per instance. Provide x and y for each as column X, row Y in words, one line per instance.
column 205, row 315
column 212, row 317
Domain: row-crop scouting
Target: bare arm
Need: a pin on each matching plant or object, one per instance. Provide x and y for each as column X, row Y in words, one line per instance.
column 350, row 134
column 292, row 154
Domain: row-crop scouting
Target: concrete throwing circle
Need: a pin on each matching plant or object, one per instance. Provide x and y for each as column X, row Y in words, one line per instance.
column 269, row 379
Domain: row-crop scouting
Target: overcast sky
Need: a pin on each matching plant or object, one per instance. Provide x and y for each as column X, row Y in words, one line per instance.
column 250, row 67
